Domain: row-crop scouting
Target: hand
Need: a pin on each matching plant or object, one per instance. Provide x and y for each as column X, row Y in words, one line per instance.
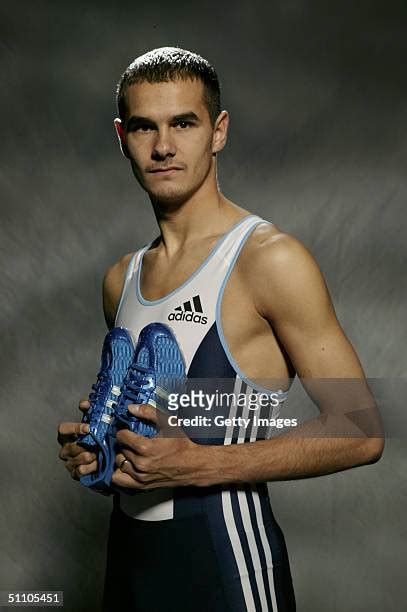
column 159, row 462
column 78, row 461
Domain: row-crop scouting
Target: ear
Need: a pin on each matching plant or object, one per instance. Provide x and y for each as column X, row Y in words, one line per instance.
column 122, row 137
column 220, row 132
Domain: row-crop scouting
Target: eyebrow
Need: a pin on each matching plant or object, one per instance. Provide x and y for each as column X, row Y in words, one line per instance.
column 136, row 120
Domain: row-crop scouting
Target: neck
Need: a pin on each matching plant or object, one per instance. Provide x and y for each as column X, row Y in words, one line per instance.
column 206, row 213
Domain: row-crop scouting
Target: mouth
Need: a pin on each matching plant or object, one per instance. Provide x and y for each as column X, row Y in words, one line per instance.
column 168, row 170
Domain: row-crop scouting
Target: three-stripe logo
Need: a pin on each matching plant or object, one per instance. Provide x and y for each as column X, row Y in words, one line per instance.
column 190, row 311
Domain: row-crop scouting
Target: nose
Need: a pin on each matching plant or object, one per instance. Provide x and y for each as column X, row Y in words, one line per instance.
column 163, row 145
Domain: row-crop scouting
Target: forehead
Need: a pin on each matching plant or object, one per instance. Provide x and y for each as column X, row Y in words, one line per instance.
column 166, row 99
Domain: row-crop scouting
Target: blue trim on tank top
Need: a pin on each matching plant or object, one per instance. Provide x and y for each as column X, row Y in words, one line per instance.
column 250, row 383
column 145, row 302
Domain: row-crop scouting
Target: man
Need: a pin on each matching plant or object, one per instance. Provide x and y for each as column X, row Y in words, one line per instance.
column 202, row 536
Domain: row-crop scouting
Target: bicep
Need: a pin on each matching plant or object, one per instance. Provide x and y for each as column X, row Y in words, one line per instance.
column 291, row 293
column 301, row 312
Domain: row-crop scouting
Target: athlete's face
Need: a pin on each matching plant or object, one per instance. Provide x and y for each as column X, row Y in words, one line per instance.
column 169, row 138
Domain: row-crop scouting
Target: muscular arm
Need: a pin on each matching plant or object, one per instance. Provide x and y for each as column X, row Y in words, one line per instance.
column 295, row 300
column 292, row 296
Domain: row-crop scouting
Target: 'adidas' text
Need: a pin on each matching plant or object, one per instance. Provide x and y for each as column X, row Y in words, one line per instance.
column 187, row 316
column 190, row 311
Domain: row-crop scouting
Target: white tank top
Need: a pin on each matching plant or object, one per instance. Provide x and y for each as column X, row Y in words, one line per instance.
column 193, row 313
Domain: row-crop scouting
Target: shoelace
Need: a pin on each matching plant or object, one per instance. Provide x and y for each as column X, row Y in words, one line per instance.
column 138, row 382
column 100, row 389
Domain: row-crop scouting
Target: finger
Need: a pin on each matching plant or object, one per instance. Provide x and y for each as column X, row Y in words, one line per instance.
column 76, row 471
column 141, row 482
column 119, row 460
column 67, row 451
column 139, row 444
column 125, row 467
column 84, row 405
column 72, row 470
column 121, row 479
column 84, row 458
column 132, row 464
column 68, row 432
column 83, row 469
column 140, row 463
column 71, row 450
column 144, row 411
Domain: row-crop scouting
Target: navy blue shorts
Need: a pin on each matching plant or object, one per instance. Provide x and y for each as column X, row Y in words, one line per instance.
column 193, row 563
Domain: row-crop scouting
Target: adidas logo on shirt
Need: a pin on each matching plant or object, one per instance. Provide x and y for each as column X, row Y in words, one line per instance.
column 191, row 312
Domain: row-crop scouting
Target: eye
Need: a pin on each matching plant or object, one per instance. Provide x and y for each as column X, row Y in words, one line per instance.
column 144, row 127
column 182, row 124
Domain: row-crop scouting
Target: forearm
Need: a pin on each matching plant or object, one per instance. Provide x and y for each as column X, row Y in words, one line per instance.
column 303, row 454
column 312, row 449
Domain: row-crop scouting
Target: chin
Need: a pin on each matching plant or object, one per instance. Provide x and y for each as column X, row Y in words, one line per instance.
column 169, row 196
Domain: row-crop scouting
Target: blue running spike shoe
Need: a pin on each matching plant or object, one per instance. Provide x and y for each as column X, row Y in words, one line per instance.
column 117, row 355
column 157, row 369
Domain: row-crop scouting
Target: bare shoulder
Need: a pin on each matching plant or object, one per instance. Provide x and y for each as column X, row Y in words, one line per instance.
column 113, row 282
column 115, row 274
column 269, row 249
column 279, row 270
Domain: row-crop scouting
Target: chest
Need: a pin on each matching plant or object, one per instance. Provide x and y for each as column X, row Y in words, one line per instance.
column 224, row 295
column 159, row 279
column 204, row 293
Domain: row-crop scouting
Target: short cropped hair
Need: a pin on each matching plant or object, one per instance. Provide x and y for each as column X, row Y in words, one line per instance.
column 169, row 64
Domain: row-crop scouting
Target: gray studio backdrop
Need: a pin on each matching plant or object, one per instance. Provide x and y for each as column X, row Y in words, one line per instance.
column 317, row 97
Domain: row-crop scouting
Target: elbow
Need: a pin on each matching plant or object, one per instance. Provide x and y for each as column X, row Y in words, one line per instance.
column 373, row 450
